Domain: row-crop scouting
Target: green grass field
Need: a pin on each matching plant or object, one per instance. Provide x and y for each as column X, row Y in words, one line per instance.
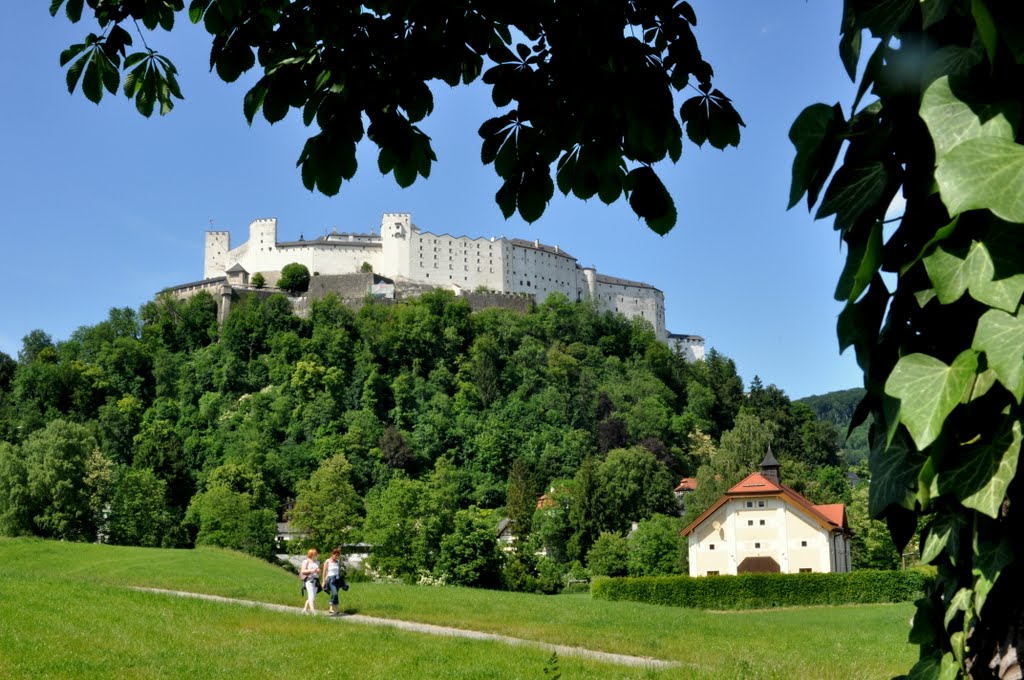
column 65, row 611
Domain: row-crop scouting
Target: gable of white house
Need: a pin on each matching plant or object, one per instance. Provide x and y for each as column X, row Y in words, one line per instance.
column 772, row 527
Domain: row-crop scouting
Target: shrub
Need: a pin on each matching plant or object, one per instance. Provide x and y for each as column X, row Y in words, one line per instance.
column 469, row 554
column 608, row 556
column 258, row 280
column 656, row 548
column 294, row 278
column 518, row 577
column 757, row 591
column 550, row 576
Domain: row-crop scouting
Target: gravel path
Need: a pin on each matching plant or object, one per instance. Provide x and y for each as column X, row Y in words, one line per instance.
column 430, row 629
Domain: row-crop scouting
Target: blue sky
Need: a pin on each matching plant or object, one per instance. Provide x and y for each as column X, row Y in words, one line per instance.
column 102, row 208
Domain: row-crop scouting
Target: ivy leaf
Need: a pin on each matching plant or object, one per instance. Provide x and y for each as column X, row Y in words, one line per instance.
column 859, row 321
column 951, row 120
column 960, row 602
column 883, row 17
column 854, row 189
column 986, row 28
column 952, row 275
column 949, row 61
column 935, row 10
column 943, row 535
column 984, row 471
column 981, row 270
column 863, row 260
column 894, row 470
column 849, row 43
column 985, row 172
column 902, row 524
column 1001, row 337
column 923, row 627
column 927, row 668
column 989, row 559
column 929, row 390
column 815, row 134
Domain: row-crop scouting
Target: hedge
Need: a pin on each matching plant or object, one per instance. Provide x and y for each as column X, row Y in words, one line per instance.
column 760, row 591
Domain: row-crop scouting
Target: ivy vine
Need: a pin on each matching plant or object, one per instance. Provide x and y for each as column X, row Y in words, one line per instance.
column 933, row 300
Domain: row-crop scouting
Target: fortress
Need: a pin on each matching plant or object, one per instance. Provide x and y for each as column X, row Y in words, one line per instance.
column 413, row 259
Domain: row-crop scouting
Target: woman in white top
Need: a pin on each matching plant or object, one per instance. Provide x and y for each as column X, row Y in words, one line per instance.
column 330, row 580
column 308, row 572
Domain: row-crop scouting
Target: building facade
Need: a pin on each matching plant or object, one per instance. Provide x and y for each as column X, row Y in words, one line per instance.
column 761, row 525
column 403, row 252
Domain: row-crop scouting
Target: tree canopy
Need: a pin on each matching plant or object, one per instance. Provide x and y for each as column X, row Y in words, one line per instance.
column 358, row 69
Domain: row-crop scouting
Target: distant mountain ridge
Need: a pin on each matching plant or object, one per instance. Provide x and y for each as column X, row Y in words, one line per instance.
column 835, row 407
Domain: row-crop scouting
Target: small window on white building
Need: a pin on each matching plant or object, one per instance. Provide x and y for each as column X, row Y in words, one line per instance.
column 711, row 546
column 750, row 522
column 750, row 504
column 712, row 573
column 760, row 504
column 757, row 545
column 805, row 571
column 803, row 544
column 762, row 522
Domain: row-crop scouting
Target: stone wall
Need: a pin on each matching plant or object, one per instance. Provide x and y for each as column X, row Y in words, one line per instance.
column 346, row 286
column 479, row 301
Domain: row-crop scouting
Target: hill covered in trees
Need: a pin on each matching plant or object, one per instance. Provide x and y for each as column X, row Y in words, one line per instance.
column 415, row 427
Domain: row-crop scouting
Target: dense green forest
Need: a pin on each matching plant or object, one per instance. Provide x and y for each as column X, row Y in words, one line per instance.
column 415, row 427
column 838, row 408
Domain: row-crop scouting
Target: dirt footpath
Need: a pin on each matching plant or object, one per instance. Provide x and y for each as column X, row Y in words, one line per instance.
column 430, row 629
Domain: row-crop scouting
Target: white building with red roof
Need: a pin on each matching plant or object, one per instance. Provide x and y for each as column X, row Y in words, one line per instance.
column 762, row 525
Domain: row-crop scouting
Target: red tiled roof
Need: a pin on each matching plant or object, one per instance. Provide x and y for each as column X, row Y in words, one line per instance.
column 756, row 484
column 829, row 516
column 687, row 484
column 836, row 513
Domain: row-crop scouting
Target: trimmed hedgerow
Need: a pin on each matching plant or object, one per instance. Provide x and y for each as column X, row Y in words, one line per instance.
column 758, row 591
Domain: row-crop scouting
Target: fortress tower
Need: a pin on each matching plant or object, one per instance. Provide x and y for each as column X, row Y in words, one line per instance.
column 396, row 237
column 218, row 243
column 263, row 233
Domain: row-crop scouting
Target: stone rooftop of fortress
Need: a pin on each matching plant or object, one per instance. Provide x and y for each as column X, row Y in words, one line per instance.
column 537, row 245
column 333, row 239
column 344, row 238
column 194, row 284
column 604, row 278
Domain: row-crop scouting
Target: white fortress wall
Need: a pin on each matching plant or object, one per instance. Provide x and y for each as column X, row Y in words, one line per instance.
column 632, row 299
column 442, row 260
column 331, row 254
column 541, row 270
column 690, row 346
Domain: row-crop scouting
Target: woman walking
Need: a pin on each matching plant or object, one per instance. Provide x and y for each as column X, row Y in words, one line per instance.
column 331, row 579
column 309, row 572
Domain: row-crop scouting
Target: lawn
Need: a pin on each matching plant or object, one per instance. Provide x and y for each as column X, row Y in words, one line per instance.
column 64, row 611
